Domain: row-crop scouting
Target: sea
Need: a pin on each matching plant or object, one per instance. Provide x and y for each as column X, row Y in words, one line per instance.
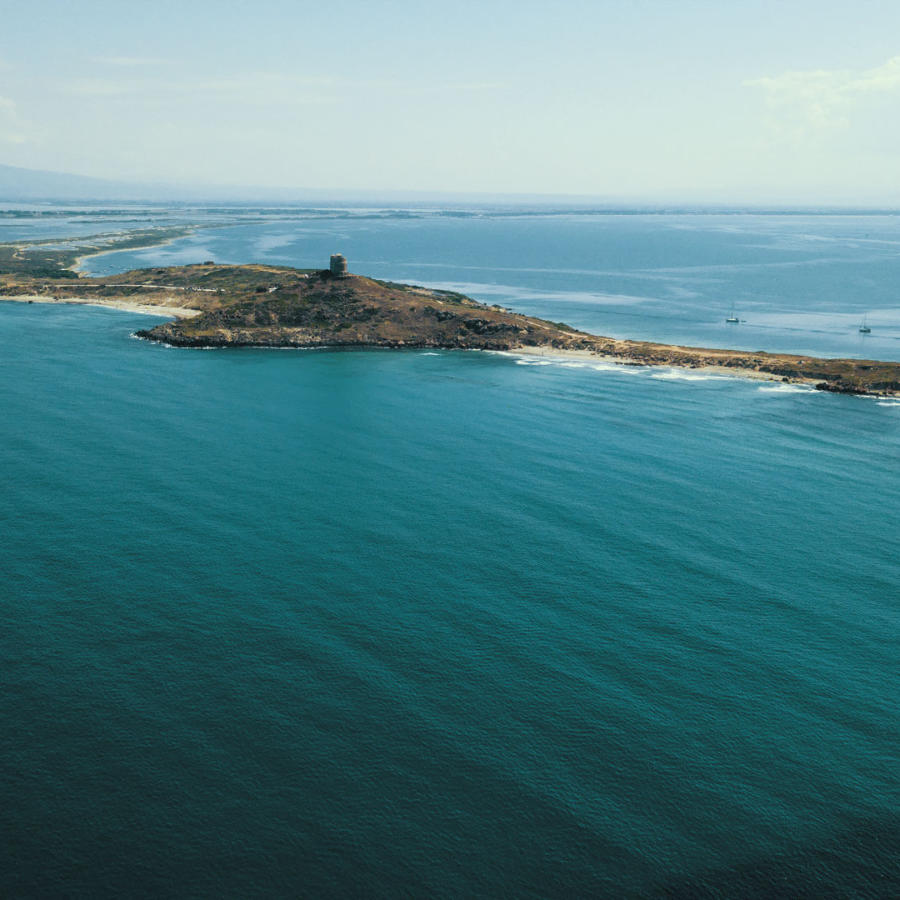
column 317, row 623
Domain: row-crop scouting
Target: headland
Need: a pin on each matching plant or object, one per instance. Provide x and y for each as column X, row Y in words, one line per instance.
column 277, row 306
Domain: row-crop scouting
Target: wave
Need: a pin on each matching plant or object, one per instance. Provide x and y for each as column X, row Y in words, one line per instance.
column 785, row 389
column 620, row 368
column 687, row 375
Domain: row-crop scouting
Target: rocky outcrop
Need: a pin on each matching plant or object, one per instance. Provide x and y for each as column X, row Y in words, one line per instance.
column 272, row 306
column 317, row 310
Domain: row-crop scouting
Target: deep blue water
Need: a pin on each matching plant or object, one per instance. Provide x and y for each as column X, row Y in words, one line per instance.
column 282, row 623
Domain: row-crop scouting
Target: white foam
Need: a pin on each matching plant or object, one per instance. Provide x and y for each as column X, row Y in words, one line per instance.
column 686, row 375
column 620, row 368
column 785, row 389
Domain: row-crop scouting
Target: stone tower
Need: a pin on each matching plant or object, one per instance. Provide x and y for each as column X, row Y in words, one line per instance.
column 338, row 265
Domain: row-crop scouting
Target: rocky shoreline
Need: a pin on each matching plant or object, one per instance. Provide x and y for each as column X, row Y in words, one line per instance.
column 317, row 310
column 826, row 376
column 282, row 307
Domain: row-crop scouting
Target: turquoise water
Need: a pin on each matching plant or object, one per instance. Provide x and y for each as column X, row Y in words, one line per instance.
column 799, row 283
column 280, row 623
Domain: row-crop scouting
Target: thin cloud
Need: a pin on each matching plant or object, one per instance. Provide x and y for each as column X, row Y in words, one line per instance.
column 884, row 78
column 98, row 87
column 255, row 88
column 251, row 85
column 263, row 88
column 396, row 86
column 10, row 126
column 131, row 60
column 824, row 98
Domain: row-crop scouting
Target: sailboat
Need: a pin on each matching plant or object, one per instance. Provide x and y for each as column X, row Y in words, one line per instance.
column 864, row 329
column 733, row 318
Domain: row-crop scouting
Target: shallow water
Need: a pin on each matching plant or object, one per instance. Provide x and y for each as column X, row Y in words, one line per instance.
column 441, row 623
column 798, row 283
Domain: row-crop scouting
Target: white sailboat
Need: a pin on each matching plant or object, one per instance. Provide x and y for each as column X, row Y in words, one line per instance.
column 733, row 318
column 864, row 328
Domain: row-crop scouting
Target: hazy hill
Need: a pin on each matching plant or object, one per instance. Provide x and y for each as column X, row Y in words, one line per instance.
column 23, row 185
column 18, row 184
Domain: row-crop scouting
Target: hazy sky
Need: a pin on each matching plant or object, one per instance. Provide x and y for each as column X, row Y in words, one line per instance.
column 797, row 100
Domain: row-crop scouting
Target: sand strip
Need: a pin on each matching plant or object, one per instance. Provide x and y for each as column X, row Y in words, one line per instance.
column 148, row 309
column 112, row 248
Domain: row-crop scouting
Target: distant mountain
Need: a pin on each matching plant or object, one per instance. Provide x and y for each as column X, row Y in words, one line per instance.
column 30, row 185
column 18, row 184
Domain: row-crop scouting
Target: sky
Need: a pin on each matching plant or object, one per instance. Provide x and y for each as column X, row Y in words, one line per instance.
column 796, row 101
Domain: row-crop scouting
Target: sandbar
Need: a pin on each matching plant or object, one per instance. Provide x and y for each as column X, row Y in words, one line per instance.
column 148, row 309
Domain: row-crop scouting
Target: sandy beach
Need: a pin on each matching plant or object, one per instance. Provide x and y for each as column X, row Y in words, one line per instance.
column 112, row 248
column 149, row 309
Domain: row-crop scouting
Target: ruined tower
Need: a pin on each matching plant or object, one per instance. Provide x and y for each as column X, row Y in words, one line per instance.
column 338, row 265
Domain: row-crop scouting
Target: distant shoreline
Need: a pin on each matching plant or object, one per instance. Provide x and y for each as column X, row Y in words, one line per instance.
column 79, row 260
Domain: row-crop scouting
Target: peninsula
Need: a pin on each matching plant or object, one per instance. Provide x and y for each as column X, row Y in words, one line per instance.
column 276, row 306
